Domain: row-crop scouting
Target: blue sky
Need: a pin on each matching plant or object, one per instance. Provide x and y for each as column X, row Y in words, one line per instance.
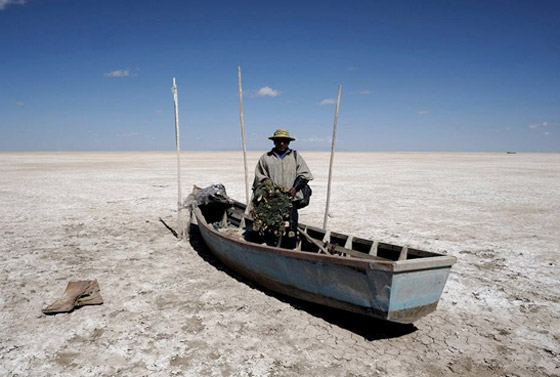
column 416, row 75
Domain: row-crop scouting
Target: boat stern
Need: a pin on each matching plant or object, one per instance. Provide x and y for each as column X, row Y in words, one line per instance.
column 415, row 294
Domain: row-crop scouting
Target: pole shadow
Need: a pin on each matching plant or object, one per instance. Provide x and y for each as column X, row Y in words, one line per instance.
column 369, row 328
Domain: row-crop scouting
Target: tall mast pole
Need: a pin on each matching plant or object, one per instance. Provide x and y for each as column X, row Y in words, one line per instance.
column 332, row 158
column 178, row 144
column 242, row 120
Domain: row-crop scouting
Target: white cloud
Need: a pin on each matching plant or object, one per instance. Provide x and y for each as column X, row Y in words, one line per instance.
column 423, row 112
column 365, row 92
column 544, row 124
column 267, row 91
column 119, row 73
column 328, row 101
column 5, row 3
column 352, row 68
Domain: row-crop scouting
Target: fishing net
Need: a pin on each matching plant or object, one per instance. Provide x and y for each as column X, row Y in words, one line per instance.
column 271, row 209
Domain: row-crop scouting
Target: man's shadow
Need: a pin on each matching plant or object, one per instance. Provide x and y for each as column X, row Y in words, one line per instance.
column 367, row 327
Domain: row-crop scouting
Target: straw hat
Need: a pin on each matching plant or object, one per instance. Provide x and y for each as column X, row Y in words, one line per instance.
column 282, row 134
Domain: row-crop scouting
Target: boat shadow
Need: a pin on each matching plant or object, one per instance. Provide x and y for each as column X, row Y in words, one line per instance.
column 367, row 327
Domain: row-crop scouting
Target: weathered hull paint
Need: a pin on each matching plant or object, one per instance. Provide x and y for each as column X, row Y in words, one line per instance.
column 416, row 293
column 351, row 284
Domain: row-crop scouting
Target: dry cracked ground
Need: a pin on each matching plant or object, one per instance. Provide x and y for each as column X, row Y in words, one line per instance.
column 171, row 309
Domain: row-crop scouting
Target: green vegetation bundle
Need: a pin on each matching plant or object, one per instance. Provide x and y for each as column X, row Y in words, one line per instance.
column 271, row 209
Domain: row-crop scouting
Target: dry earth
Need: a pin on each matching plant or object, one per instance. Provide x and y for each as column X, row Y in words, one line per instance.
column 171, row 309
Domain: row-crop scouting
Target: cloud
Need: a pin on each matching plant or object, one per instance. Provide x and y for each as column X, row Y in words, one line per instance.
column 352, row 68
column 19, row 103
column 5, row 3
column 545, row 124
column 538, row 125
column 422, row 112
column 267, row 91
column 119, row 73
column 328, row 101
column 365, row 92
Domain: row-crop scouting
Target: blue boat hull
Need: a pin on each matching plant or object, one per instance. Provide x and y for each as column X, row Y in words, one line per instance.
column 397, row 291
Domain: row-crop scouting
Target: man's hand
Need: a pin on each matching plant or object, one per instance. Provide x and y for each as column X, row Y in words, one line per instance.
column 292, row 191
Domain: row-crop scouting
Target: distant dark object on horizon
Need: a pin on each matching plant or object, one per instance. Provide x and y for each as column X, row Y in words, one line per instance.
column 511, row 152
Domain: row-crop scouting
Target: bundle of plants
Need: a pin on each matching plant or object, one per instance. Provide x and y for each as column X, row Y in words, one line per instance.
column 271, row 209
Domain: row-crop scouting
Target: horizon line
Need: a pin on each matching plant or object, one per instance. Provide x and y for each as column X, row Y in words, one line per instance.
column 264, row 150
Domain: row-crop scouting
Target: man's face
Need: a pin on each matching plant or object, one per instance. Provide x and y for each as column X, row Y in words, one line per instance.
column 281, row 144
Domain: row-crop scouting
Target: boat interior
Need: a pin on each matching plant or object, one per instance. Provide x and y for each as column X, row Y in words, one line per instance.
column 233, row 220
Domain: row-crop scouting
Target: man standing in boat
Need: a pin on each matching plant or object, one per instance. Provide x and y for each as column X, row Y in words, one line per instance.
column 285, row 167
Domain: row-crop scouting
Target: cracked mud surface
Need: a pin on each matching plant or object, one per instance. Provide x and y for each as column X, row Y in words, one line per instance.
column 171, row 309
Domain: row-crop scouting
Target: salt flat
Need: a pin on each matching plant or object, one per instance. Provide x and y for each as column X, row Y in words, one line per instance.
column 172, row 309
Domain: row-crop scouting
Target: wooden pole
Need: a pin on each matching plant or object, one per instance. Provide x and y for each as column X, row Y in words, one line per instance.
column 332, row 158
column 178, row 144
column 243, row 136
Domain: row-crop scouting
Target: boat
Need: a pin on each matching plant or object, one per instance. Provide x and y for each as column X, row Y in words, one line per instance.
column 376, row 279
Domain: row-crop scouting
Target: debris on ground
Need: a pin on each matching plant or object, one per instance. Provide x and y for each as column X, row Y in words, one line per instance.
column 77, row 294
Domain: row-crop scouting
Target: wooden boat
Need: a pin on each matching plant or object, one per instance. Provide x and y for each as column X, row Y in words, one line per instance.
column 380, row 280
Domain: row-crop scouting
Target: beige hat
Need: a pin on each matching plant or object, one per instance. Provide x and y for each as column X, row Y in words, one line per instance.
column 281, row 134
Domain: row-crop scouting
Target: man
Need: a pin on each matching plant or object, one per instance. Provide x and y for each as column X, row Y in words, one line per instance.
column 284, row 166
